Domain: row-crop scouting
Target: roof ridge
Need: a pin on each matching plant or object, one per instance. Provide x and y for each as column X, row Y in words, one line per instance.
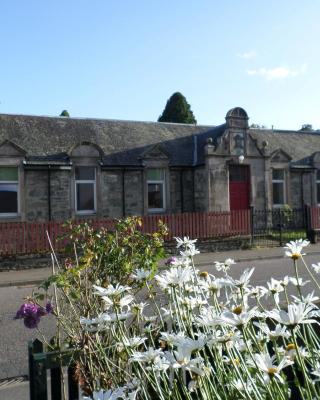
column 104, row 119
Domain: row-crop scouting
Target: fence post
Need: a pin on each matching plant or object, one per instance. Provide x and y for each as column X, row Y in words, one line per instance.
column 308, row 223
column 37, row 372
column 73, row 387
column 55, row 374
column 252, row 224
column 280, row 226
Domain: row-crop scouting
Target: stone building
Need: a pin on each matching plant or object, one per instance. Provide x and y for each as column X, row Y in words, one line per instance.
column 55, row 168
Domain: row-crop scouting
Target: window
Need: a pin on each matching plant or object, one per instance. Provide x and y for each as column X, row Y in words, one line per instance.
column 318, row 187
column 9, row 191
column 278, row 188
column 156, row 189
column 85, row 192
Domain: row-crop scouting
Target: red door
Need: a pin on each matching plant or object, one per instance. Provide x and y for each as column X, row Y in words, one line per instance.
column 239, row 187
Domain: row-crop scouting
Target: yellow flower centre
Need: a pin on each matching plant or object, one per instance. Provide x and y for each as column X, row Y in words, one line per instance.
column 236, row 361
column 295, row 256
column 237, row 310
column 272, row 371
column 204, row 274
column 291, row 346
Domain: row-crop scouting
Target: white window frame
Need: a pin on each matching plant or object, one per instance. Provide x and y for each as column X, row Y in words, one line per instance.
column 4, row 215
column 88, row 181
column 161, row 182
column 282, row 181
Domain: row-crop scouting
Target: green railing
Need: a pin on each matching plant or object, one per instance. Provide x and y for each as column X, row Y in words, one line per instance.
column 40, row 361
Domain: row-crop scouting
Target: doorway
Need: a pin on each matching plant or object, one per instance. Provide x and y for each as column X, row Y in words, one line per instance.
column 239, row 187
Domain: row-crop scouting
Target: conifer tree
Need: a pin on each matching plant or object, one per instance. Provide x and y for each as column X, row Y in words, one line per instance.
column 64, row 113
column 177, row 110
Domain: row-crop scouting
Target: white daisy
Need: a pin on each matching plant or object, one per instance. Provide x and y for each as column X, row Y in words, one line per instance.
column 190, row 251
column 297, row 314
column 316, row 371
column 149, row 356
column 316, row 268
column 212, row 284
column 267, row 365
column 275, row 287
column 293, row 248
column 310, row 298
column 115, row 302
column 243, row 281
column 132, row 342
column 224, row 266
column 175, row 276
column 186, row 242
column 141, row 274
column 279, row 331
column 238, row 318
column 110, row 290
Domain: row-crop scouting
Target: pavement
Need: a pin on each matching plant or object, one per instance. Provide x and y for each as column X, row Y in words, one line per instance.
column 34, row 276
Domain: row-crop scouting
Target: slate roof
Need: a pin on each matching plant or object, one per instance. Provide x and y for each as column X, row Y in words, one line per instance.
column 300, row 145
column 50, row 139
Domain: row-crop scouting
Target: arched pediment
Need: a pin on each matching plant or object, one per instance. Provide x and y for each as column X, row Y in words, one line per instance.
column 316, row 157
column 280, row 155
column 155, row 152
column 86, row 149
column 10, row 149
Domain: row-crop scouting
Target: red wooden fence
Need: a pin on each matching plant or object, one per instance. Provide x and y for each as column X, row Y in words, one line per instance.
column 30, row 237
column 315, row 217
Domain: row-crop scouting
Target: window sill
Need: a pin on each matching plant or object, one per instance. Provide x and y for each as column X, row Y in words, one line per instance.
column 85, row 213
column 156, row 211
column 10, row 217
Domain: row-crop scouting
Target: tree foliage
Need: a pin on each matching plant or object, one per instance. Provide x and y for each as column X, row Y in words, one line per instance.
column 177, row 110
column 64, row 113
column 258, row 126
column 306, row 127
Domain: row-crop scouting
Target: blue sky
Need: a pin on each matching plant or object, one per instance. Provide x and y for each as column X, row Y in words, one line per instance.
column 123, row 59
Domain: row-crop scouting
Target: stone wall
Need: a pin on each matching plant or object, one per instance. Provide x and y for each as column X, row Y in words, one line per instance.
column 295, row 190
column 60, row 195
column 200, row 189
column 28, row 261
column 258, row 195
column 307, row 188
column 181, row 202
column 188, row 190
column 134, row 193
column 111, row 194
column 36, row 196
column 36, row 203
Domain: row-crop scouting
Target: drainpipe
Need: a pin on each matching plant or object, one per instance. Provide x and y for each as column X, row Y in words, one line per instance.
column 193, row 197
column 302, row 194
column 49, row 192
column 181, row 190
column 123, row 195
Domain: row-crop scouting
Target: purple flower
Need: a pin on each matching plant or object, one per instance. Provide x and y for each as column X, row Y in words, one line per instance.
column 170, row 261
column 26, row 309
column 30, row 313
column 41, row 311
column 31, row 321
column 49, row 307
